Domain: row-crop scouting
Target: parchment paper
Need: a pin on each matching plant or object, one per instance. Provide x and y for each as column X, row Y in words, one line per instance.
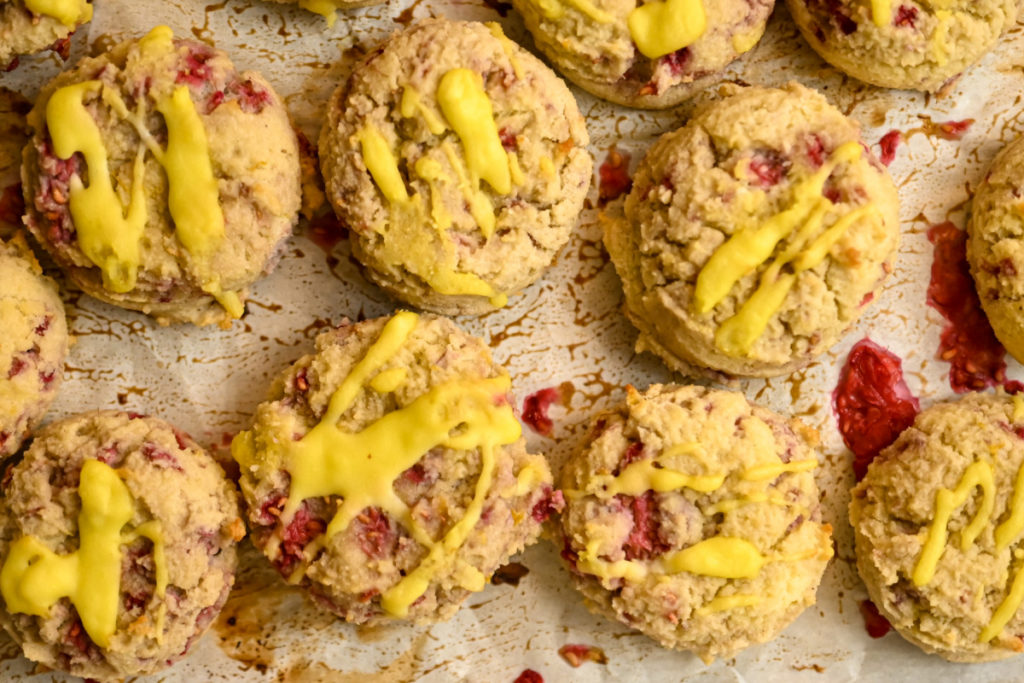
column 566, row 331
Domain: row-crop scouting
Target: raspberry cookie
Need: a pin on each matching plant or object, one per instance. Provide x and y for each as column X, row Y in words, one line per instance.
column 651, row 54
column 117, row 539
column 459, row 163
column 32, row 347
column 13, row 136
column 938, row 522
column 144, row 182
column 995, row 247
column 387, row 473
column 909, row 44
column 693, row 516
column 28, row 26
column 754, row 236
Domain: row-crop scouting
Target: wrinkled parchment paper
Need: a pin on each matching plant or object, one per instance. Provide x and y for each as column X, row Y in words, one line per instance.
column 565, row 331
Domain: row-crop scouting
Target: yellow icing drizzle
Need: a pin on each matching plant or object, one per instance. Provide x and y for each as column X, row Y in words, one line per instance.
column 412, row 104
column 325, row 8
column 881, row 12
column 480, row 206
column 647, row 475
column 107, row 236
column 728, row 602
column 723, row 557
column 661, row 27
column 381, row 164
column 465, row 105
column 507, row 45
column 387, row 381
column 939, row 48
column 1018, row 408
column 1007, row 608
column 743, row 42
column 430, row 170
column 361, row 467
column 67, row 12
column 753, row 244
column 979, row 474
column 34, row 578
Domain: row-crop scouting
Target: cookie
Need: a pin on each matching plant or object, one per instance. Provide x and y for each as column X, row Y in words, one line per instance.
column 13, row 136
column 328, row 8
column 754, row 235
column 937, row 524
column 693, row 517
column 458, row 162
column 909, row 44
column 192, row 173
column 33, row 345
column 29, row 26
column 644, row 54
column 995, row 246
column 387, row 473
column 117, row 539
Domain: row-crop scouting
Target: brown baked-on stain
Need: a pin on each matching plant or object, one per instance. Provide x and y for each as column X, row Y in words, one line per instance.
column 809, row 667
column 259, row 604
column 405, row 668
column 405, row 17
column 510, row 574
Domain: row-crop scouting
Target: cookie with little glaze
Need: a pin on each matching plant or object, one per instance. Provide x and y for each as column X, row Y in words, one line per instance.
column 693, row 517
column 13, row 136
column 458, row 162
column 754, row 236
column 909, row 44
column 937, row 523
column 650, row 54
column 29, row 26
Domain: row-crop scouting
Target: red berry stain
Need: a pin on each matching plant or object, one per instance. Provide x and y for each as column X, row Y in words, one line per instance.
column 155, row 454
column 251, row 98
column 876, row 625
column 613, row 174
column 815, row 150
column 535, row 410
column 529, row 676
column 376, row 533
column 843, row 20
column 553, row 501
column 633, row 452
column 508, row 140
column 577, row 655
column 677, row 61
column 871, row 402
column 768, row 167
column 62, row 47
column 644, row 540
column 967, row 342
column 906, row 16
column 12, row 205
column 196, row 71
column 17, row 365
column 326, row 231
column 889, row 142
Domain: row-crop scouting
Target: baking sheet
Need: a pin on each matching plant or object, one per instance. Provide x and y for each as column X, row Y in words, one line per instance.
column 565, row 331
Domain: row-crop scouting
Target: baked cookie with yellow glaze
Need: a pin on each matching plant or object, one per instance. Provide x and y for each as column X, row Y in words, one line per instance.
column 28, row 26
column 33, row 345
column 938, row 524
column 328, row 8
column 387, row 473
column 910, row 44
column 995, row 246
column 644, row 53
column 458, row 162
column 693, row 517
column 117, row 545
column 754, row 235
column 143, row 182
column 13, row 136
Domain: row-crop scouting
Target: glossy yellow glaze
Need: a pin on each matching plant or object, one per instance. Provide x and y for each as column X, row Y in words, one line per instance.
column 68, row 12
column 664, row 26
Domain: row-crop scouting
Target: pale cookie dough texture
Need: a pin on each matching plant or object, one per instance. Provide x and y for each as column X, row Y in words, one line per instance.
column 995, row 247
column 387, row 473
column 612, row 50
column 170, row 183
column 32, row 347
column 28, row 26
column 938, row 522
column 458, row 190
column 693, row 517
column 909, row 44
column 754, row 236
column 175, row 535
column 13, row 136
